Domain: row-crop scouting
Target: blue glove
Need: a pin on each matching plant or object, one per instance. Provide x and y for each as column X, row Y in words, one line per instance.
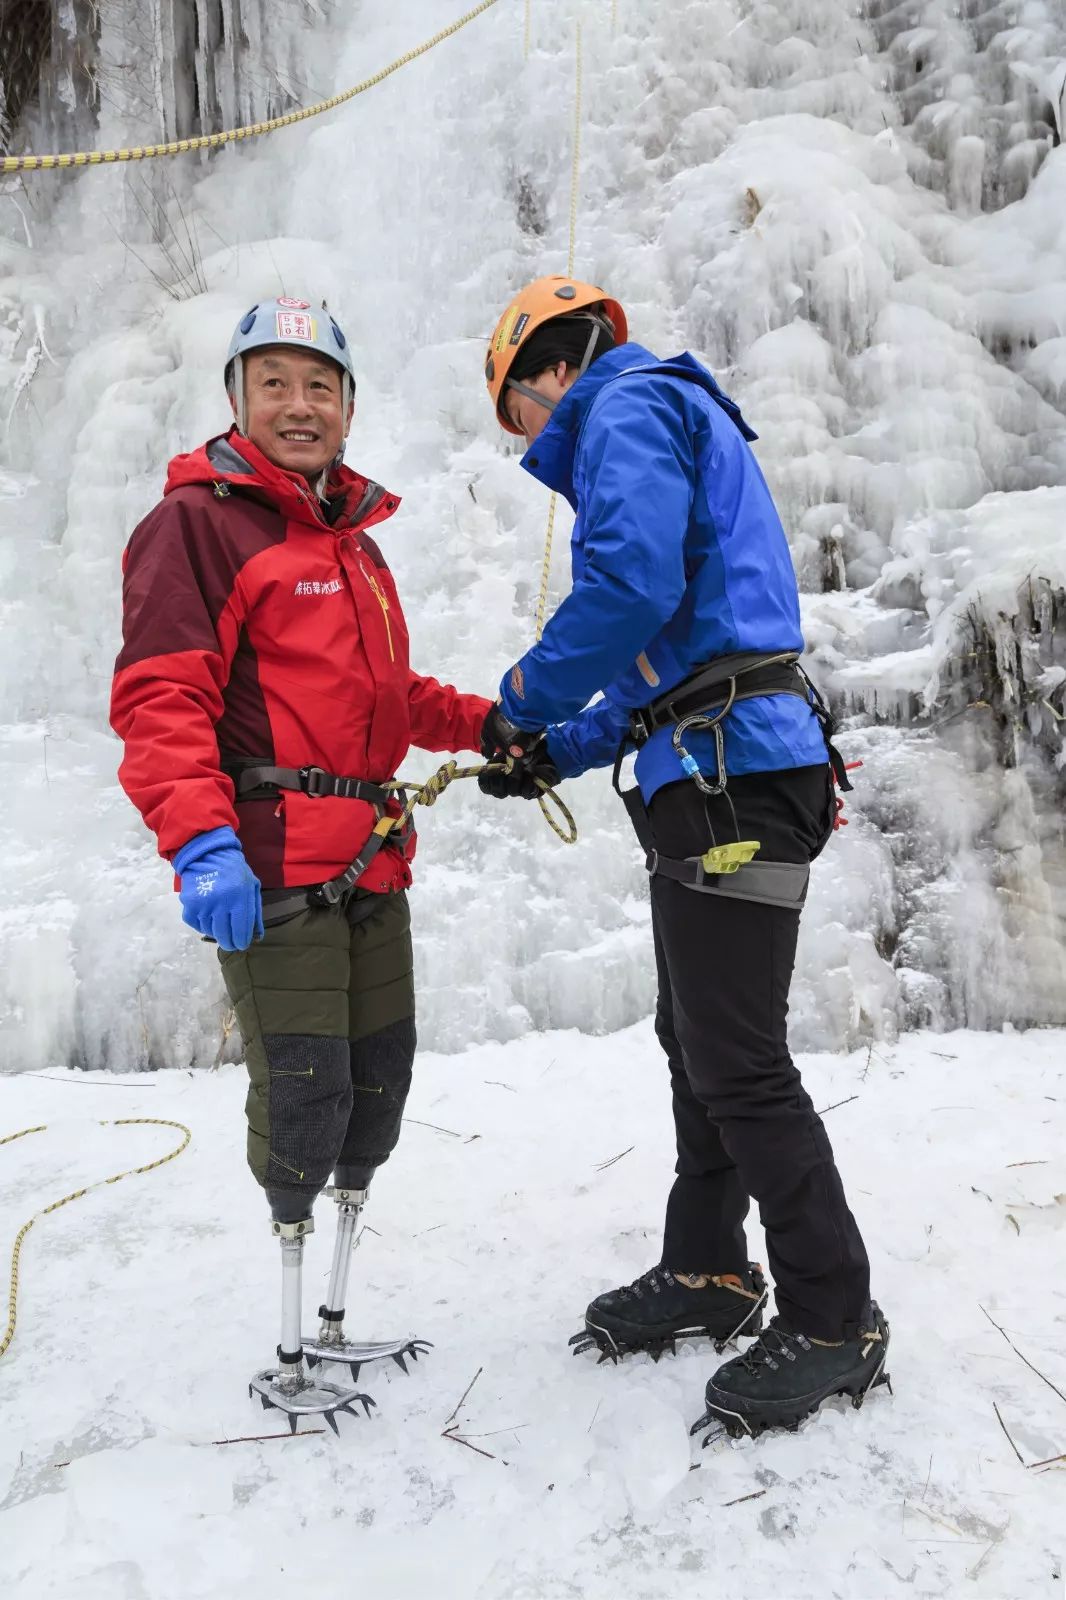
column 220, row 894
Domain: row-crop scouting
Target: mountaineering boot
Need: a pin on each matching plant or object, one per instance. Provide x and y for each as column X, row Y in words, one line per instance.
column 662, row 1306
column 784, row 1377
column 331, row 1343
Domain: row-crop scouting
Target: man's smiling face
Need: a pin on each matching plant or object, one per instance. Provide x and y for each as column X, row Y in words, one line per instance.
column 293, row 408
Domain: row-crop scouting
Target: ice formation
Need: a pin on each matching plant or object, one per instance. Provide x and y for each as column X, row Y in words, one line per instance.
column 855, row 214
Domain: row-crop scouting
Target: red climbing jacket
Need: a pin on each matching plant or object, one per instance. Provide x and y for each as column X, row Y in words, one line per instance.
column 262, row 624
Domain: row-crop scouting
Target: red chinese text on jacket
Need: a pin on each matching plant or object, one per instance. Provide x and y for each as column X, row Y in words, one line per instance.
column 255, row 629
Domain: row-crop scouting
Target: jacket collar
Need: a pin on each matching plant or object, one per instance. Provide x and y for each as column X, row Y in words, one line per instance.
column 233, row 459
column 550, row 458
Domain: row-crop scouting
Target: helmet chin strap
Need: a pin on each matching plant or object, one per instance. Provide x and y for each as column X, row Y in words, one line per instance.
column 586, row 361
column 338, row 459
column 237, row 393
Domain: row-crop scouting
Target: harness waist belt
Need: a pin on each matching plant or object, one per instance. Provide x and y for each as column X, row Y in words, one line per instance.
column 279, row 905
column 746, row 675
column 770, row 883
column 313, row 781
column 250, row 777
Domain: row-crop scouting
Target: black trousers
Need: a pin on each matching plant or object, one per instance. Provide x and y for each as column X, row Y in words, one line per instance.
column 745, row 1125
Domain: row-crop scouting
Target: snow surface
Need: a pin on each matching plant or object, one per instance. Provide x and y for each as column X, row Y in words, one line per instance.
column 856, row 215
column 145, row 1307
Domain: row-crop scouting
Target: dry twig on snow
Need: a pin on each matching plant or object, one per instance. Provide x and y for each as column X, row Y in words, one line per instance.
column 1018, row 1353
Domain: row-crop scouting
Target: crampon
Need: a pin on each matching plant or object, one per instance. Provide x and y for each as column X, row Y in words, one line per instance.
column 757, row 1391
column 298, row 1396
column 740, row 1315
column 356, row 1355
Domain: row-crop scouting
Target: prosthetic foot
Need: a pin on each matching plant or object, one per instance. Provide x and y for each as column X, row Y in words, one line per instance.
column 331, row 1344
column 288, row 1387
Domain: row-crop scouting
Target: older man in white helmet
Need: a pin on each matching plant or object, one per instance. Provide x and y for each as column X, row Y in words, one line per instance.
column 265, row 698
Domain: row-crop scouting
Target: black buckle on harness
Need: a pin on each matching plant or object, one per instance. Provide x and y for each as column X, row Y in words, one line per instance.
column 317, row 782
column 641, row 727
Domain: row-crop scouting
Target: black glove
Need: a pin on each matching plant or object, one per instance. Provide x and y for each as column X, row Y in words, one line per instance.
column 499, row 733
column 521, row 781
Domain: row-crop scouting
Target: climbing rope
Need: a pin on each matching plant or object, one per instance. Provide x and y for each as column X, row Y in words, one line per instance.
column 575, row 171
column 212, row 141
column 428, row 793
column 131, row 1172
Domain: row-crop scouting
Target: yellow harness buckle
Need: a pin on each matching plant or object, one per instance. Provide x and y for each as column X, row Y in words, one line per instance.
column 723, row 858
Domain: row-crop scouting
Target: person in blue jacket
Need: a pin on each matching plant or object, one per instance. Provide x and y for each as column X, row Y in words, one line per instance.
column 681, row 638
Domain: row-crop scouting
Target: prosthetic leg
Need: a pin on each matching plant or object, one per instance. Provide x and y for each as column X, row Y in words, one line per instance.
column 331, row 1345
column 288, row 1387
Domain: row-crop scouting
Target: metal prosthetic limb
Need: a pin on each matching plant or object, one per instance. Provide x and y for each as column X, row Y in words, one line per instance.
column 331, row 1345
column 287, row 1387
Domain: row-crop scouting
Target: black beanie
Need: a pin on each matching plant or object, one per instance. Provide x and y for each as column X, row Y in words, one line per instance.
column 561, row 339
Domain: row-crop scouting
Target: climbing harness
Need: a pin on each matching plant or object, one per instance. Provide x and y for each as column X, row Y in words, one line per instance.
column 212, row 141
column 396, row 829
column 132, row 1172
column 714, row 688
column 701, row 702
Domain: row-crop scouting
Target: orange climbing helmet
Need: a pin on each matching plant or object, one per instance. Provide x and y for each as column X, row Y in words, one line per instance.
column 540, row 302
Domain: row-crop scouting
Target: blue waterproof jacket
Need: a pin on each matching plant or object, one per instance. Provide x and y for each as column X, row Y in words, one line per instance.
column 678, row 556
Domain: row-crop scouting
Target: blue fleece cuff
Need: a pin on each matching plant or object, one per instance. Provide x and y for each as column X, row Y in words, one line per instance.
column 199, row 846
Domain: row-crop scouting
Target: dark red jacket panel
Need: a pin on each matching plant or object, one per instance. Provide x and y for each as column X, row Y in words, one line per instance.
column 254, row 629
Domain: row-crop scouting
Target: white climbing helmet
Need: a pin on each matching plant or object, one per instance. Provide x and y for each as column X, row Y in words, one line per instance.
column 287, row 321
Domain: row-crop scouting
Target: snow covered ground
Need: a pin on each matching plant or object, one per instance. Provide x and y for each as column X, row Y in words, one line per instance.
column 857, row 216
column 145, row 1307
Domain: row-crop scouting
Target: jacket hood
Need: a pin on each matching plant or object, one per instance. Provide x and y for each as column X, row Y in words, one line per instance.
column 550, row 458
column 232, row 459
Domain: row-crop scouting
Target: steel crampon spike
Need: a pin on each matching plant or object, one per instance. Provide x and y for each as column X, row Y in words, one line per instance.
column 708, row 1421
column 879, row 1377
column 355, row 1354
column 701, row 1422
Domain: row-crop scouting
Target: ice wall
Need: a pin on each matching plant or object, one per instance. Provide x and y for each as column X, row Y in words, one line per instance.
column 856, row 218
